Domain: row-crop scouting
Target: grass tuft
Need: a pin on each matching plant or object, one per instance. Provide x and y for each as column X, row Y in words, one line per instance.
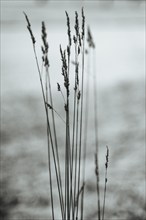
column 71, row 185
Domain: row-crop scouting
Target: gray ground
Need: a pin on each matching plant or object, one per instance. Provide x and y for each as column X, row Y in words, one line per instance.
column 24, row 161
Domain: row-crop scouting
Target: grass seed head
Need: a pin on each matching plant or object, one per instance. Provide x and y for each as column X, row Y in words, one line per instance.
column 76, row 24
column 79, row 50
column 66, row 107
column 83, row 24
column 58, row 87
column 107, row 157
column 79, row 95
column 43, row 51
column 68, row 50
column 74, row 39
column 45, row 46
column 80, row 42
column 90, row 39
column 29, row 28
column 64, row 70
column 68, row 26
column 44, row 37
column 96, row 167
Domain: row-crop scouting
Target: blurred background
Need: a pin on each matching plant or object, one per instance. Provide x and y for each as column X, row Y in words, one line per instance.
column 118, row 29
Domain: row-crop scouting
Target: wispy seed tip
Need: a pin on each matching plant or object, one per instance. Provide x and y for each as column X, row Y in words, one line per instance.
column 107, row 157
column 69, row 30
column 83, row 23
column 29, row 28
column 58, row 87
column 76, row 24
column 28, row 22
column 90, row 38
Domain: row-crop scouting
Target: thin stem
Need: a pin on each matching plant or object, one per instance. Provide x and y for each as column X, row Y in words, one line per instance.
column 105, row 184
column 55, row 137
column 62, row 96
column 67, row 167
column 85, row 129
column 59, row 115
column 48, row 122
column 74, row 117
column 68, row 150
column 76, row 156
column 50, row 107
column 96, row 129
column 81, row 118
column 49, row 158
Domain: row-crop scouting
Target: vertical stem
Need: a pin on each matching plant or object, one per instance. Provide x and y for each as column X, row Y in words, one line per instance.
column 106, row 166
column 74, row 124
column 49, row 158
column 103, row 210
column 96, row 130
column 67, row 163
column 85, row 130
column 56, row 145
column 76, row 156
column 68, row 150
column 48, row 122
column 48, row 127
column 81, row 118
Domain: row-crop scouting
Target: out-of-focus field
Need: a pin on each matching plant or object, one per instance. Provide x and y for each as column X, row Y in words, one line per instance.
column 24, row 155
column 119, row 36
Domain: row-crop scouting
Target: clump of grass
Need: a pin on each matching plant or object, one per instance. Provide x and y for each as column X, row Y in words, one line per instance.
column 71, row 185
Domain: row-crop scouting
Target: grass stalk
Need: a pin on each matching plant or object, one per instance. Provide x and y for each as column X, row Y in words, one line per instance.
column 50, row 107
column 56, row 144
column 56, row 155
column 105, row 183
column 49, row 158
column 92, row 45
column 46, row 111
column 82, row 44
column 48, row 126
column 96, row 134
column 75, row 121
column 65, row 73
column 73, row 145
column 76, row 160
column 85, row 129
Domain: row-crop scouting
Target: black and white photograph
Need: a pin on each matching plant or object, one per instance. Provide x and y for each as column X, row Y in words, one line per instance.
column 72, row 88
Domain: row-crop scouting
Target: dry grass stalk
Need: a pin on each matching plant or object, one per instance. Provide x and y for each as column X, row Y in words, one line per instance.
column 82, row 99
column 105, row 184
